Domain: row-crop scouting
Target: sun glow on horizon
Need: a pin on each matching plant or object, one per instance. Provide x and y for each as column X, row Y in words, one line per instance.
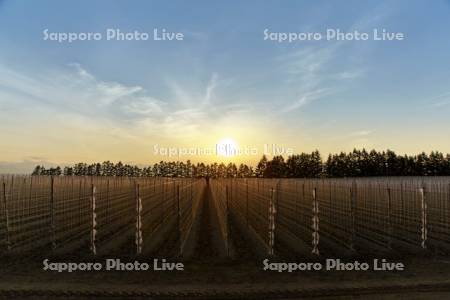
column 227, row 147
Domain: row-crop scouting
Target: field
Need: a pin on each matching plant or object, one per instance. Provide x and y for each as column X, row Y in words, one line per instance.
column 222, row 229
column 342, row 216
column 94, row 215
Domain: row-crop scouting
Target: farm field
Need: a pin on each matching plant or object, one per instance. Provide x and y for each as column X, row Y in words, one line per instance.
column 222, row 230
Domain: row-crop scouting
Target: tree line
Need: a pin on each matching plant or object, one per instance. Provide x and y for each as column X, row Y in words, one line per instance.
column 358, row 163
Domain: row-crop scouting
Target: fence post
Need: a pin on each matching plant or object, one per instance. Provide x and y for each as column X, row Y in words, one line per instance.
column 80, row 204
column 272, row 212
column 107, row 202
column 52, row 212
column 93, row 219
column 296, row 204
column 447, row 208
column 192, row 191
column 6, row 217
column 315, row 223
column 402, row 201
column 179, row 220
column 389, row 216
column 352, row 213
column 139, row 239
column 276, row 208
column 226, row 219
column 424, row 230
column 246, row 202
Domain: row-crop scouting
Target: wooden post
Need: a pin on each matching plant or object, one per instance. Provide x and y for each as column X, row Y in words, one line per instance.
column 226, row 220
column 389, row 216
column 179, row 220
column 107, row 202
column 246, row 202
column 296, row 204
column 6, row 218
column 192, row 191
column 93, row 220
column 276, row 195
column 139, row 239
column 52, row 213
column 272, row 211
column 164, row 206
column 353, row 191
column 175, row 193
column 80, row 205
column 402, row 210
column 447, row 210
column 424, row 210
column 315, row 223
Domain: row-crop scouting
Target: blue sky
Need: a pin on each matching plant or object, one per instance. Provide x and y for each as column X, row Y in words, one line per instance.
column 98, row 100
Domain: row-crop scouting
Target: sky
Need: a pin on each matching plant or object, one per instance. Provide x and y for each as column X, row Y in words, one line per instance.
column 97, row 100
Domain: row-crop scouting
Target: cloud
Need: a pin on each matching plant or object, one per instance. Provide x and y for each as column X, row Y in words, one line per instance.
column 440, row 100
column 360, row 133
column 78, row 100
column 209, row 93
column 71, row 106
column 355, row 139
column 305, row 65
column 350, row 74
column 70, row 114
column 305, row 99
column 81, row 72
column 144, row 106
column 76, row 91
column 200, row 109
column 23, row 167
column 313, row 69
column 311, row 76
column 304, row 74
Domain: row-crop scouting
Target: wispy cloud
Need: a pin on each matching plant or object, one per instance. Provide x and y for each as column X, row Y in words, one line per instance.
column 25, row 166
column 313, row 69
column 310, row 75
column 209, row 93
column 305, row 99
column 440, row 100
column 355, row 139
column 81, row 98
column 353, row 74
column 77, row 91
column 358, row 135
column 195, row 110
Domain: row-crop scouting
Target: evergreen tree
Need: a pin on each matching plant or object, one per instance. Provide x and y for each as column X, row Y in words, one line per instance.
column 261, row 167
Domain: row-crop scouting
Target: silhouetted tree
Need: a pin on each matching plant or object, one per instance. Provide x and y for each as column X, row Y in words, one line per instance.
column 261, row 167
column 358, row 163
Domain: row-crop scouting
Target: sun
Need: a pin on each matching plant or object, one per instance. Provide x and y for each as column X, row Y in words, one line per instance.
column 227, row 147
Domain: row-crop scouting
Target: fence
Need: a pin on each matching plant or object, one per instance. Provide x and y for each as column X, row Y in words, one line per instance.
column 95, row 213
column 102, row 213
column 347, row 214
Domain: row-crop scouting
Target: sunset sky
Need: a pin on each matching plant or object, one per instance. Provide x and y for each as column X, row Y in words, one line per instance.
column 102, row 100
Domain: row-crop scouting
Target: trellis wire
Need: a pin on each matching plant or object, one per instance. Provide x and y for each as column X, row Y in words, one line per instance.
column 353, row 213
column 69, row 213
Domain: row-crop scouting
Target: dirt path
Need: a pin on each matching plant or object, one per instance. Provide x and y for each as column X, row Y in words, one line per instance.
column 206, row 249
